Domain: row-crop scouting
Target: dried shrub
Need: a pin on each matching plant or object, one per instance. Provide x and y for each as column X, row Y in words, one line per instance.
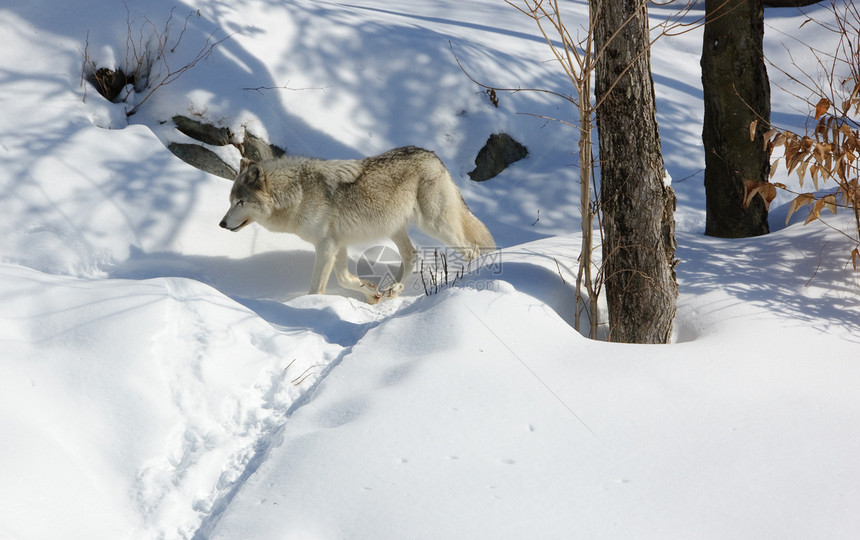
column 831, row 152
column 148, row 65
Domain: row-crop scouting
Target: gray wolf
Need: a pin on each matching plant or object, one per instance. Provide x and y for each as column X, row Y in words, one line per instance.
column 335, row 203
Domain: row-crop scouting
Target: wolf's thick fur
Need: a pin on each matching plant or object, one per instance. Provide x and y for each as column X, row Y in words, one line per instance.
column 334, row 203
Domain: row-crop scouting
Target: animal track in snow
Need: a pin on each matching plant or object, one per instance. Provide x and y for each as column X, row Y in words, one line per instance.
column 231, row 394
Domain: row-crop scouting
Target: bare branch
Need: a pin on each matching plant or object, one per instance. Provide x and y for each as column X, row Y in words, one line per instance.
column 287, row 86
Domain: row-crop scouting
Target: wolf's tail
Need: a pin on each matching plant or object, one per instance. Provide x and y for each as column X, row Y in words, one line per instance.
column 476, row 234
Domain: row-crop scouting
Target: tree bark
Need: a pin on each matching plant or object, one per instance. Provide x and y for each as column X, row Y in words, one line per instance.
column 736, row 92
column 639, row 225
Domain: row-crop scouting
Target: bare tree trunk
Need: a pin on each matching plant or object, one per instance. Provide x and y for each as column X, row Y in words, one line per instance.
column 576, row 57
column 586, row 161
column 639, row 225
column 736, row 92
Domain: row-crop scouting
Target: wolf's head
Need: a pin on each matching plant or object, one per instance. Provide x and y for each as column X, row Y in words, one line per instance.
column 248, row 196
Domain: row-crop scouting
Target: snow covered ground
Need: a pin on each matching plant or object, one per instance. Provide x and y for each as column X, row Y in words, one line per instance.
column 163, row 378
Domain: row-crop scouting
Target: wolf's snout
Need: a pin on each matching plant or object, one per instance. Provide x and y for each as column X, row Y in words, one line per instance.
column 225, row 225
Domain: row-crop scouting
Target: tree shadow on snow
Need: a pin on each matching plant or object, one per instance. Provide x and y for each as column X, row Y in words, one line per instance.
column 798, row 278
column 262, row 283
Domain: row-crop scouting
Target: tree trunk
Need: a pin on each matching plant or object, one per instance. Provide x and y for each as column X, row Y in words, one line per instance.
column 736, row 92
column 639, row 225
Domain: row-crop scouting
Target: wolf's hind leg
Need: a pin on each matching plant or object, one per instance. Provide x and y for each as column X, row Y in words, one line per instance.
column 407, row 253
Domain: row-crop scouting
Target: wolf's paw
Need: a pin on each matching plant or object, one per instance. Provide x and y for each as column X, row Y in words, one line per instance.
column 370, row 292
column 386, row 293
column 393, row 290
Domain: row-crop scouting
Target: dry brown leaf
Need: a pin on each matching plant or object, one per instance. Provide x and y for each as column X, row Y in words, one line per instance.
column 790, row 152
column 815, row 213
column 840, row 170
column 796, row 159
column 753, row 126
column 820, row 128
column 780, row 139
column 848, row 193
column 819, row 153
column 769, row 137
column 801, row 170
column 830, row 202
column 855, row 257
column 768, row 193
column 765, row 190
column 749, row 190
column 822, row 107
column 799, row 202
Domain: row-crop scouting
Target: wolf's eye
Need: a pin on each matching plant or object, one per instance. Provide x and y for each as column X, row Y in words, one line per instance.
column 240, row 203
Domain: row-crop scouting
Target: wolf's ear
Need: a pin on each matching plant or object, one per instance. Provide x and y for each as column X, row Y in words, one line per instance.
column 252, row 174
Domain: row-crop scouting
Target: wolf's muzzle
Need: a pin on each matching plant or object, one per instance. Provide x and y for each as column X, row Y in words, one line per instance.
column 223, row 225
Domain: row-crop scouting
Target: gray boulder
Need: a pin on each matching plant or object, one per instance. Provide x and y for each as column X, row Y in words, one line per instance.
column 202, row 158
column 256, row 149
column 203, row 132
column 500, row 151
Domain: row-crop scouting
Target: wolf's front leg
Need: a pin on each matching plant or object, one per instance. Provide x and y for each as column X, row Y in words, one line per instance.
column 324, row 260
